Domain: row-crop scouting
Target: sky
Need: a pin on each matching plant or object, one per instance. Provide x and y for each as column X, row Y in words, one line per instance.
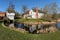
column 29, row 3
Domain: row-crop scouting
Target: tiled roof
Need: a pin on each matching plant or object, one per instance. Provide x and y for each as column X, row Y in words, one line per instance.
column 40, row 11
column 26, row 12
column 2, row 14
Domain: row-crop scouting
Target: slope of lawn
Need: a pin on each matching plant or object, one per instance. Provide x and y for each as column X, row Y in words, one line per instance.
column 7, row 34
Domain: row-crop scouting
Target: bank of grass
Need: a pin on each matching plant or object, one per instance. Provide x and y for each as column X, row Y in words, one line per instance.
column 7, row 34
column 28, row 20
column 34, row 20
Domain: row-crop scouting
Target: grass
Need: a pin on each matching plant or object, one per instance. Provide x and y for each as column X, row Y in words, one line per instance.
column 28, row 20
column 34, row 20
column 7, row 34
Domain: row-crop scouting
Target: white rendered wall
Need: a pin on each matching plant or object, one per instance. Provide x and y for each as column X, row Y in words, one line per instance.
column 33, row 14
column 10, row 15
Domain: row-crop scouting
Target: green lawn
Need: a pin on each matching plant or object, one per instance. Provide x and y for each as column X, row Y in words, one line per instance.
column 28, row 20
column 7, row 34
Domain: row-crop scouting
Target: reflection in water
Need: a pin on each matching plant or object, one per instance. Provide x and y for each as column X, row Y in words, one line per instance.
column 33, row 28
column 40, row 26
column 19, row 25
column 58, row 25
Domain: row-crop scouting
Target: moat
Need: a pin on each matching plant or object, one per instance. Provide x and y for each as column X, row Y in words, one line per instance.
column 39, row 27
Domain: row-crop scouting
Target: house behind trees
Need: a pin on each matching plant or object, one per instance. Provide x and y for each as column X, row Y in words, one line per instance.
column 34, row 13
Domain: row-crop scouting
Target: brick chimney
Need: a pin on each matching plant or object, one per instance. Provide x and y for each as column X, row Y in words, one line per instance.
column 36, row 12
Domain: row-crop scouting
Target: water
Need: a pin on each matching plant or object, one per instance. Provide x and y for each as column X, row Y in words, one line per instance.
column 19, row 25
column 33, row 27
column 58, row 25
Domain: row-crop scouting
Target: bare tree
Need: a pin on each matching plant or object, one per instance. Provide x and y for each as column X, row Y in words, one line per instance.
column 50, row 8
column 54, row 10
column 24, row 8
column 54, row 7
column 11, row 7
column 46, row 8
